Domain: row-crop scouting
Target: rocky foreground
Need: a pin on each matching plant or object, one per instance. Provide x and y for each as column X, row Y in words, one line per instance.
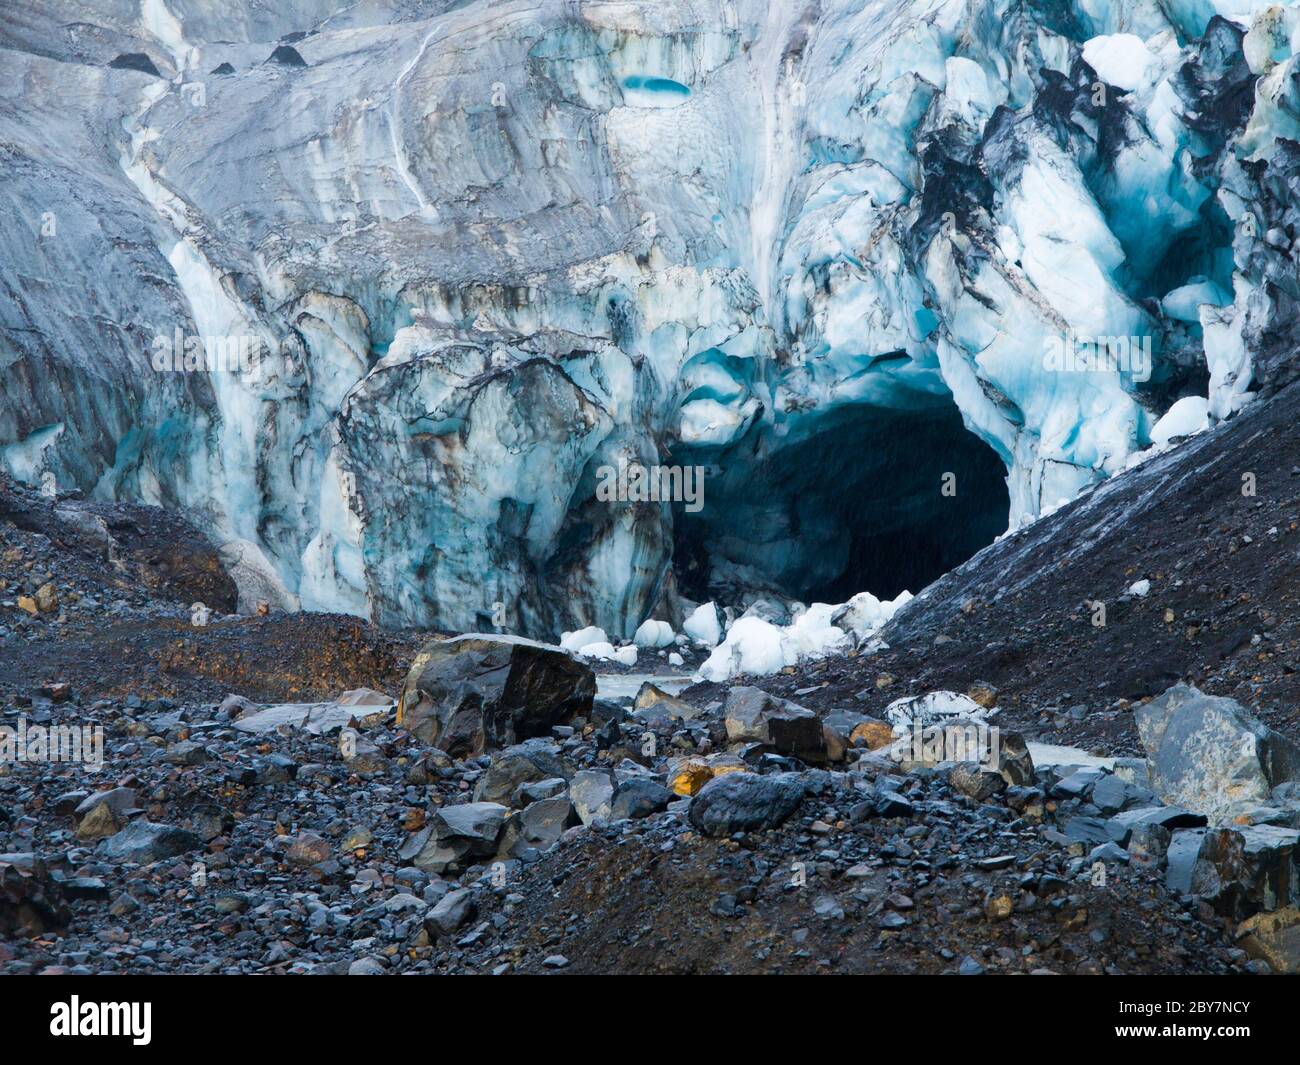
column 309, row 794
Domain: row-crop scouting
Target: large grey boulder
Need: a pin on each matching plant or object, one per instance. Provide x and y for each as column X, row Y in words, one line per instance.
column 754, row 716
column 639, row 797
column 745, row 802
column 1208, row 755
column 481, row 692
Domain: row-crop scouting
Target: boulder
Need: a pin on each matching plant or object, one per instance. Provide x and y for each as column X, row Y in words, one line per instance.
column 1246, row 870
column 307, row 848
column 143, row 842
column 100, row 823
column 745, row 802
column 452, row 911
column 752, row 715
column 524, row 763
column 592, row 793
column 1012, row 760
column 120, row 801
column 639, row 797
column 456, row 836
column 537, row 827
column 655, row 702
column 872, row 733
column 482, row 692
column 975, row 782
column 1274, row 937
column 1210, row 756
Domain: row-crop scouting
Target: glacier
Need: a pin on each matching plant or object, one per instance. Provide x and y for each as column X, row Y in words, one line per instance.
column 898, row 274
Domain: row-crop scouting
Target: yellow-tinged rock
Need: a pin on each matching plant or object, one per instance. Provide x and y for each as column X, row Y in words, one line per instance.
column 688, row 777
column 47, row 598
column 875, row 734
column 1274, row 937
column 26, row 602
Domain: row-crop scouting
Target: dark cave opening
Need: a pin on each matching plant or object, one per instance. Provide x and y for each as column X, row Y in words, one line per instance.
column 867, row 499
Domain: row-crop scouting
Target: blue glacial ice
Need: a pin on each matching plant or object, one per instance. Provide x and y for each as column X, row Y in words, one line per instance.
column 827, row 253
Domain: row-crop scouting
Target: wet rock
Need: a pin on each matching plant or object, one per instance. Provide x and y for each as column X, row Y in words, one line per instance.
column 144, row 842
column 1208, row 755
column 481, row 692
column 745, row 802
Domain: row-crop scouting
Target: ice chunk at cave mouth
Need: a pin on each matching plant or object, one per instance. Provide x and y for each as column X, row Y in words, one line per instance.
column 654, row 634
column 703, row 625
column 756, row 646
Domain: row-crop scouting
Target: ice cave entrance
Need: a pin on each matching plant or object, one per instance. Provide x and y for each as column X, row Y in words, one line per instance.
column 865, row 499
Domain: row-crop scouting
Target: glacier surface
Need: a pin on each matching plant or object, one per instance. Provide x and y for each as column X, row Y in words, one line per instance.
column 896, row 273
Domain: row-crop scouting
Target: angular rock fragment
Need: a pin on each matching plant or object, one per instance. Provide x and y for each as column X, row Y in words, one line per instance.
column 477, row 693
column 524, row 763
column 31, row 901
column 143, row 842
column 752, row 715
column 1210, row 756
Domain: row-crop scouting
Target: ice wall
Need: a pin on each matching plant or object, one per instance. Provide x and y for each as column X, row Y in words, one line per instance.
column 488, row 249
